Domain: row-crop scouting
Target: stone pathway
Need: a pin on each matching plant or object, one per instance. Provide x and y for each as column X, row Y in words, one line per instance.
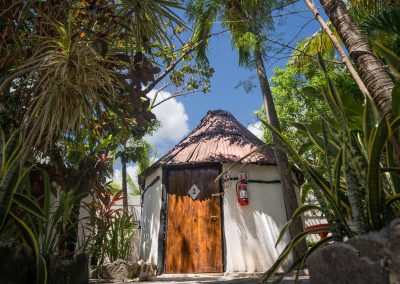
column 202, row 278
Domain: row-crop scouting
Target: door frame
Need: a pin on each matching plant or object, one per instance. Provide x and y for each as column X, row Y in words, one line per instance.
column 163, row 233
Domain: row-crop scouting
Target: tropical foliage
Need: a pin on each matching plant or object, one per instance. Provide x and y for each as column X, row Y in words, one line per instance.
column 109, row 231
column 358, row 191
column 78, row 81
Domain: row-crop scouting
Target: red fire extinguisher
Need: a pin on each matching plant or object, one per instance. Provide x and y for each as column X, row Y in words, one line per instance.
column 242, row 193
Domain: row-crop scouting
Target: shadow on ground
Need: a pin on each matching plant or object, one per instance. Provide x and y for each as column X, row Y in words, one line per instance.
column 194, row 279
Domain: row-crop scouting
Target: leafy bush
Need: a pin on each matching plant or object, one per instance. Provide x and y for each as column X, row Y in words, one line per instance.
column 110, row 229
column 119, row 237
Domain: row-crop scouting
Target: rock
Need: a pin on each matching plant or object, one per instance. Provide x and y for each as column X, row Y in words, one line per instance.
column 148, row 270
column 393, row 250
column 16, row 263
column 68, row 271
column 93, row 272
column 119, row 270
column 371, row 258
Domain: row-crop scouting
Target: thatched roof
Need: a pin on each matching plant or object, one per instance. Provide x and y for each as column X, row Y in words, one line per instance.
column 218, row 138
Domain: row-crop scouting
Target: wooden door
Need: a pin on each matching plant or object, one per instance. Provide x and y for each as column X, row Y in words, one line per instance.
column 194, row 238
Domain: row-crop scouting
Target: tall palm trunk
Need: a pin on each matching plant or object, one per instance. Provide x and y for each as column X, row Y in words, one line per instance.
column 288, row 189
column 371, row 69
column 124, row 185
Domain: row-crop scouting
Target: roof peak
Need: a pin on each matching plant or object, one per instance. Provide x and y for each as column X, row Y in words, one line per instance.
column 219, row 111
column 216, row 112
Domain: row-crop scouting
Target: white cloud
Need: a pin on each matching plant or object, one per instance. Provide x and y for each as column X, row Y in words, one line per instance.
column 174, row 121
column 256, row 129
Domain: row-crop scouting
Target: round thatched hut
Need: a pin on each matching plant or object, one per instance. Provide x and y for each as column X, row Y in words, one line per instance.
column 192, row 223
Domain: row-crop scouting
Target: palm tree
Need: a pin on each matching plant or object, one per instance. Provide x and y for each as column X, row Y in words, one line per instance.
column 372, row 71
column 247, row 20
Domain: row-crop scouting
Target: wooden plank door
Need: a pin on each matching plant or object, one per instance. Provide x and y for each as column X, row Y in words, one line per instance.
column 194, row 238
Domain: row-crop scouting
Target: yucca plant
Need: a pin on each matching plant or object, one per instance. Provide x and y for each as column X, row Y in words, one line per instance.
column 15, row 203
column 119, row 237
column 71, row 81
column 52, row 229
column 73, row 65
column 358, row 192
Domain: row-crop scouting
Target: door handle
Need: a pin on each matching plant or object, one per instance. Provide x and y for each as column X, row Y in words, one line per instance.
column 214, row 218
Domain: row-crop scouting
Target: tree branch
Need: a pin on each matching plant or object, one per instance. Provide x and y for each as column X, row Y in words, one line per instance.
column 169, row 69
column 177, row 94
column 158, row 91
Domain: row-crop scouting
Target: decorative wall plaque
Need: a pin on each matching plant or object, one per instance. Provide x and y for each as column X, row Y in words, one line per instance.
column 194, row 191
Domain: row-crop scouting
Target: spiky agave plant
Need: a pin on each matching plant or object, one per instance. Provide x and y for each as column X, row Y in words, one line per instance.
column 359, row 192
column 15, row 203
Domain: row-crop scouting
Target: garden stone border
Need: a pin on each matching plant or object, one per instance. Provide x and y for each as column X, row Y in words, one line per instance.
column 123, row 270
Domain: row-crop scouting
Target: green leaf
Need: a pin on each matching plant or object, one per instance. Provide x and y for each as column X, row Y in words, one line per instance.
column 7, row 191
column 299, row 211
column 306, row 188
column 395, row 124
column 392, row 59
column 289, row 247
column 28, row 204
column 396, row 100
column 318, row 182
column 392, row 198
column 377, row 141
column 318, row 141
column 311, row 92
column 300, row 261
column 337, row 174
column 29, row 237
column 371, row 119
column 332, row 98
column 395, row 177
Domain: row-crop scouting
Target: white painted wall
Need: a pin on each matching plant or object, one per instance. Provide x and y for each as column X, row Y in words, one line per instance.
column 251, row 231
column 84, row 222
column 150, row 221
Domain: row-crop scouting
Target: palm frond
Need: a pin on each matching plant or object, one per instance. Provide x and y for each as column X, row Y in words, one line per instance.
column 307, row 50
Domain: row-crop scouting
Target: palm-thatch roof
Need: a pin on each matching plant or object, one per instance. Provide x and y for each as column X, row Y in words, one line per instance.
column 218, row 138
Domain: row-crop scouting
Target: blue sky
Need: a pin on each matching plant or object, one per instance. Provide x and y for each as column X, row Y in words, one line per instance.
column 180, row 116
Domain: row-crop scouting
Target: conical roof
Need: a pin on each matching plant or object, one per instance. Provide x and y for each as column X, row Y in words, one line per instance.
column 218, row 138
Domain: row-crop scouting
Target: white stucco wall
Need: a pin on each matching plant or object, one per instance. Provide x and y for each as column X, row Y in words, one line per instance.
column 150, row 221
column 251, row 231
column 84, row 221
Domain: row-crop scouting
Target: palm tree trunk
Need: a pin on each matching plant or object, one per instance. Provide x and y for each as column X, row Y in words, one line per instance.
column 339, row 49
column 288, row 189
column 371, row 69
column 124, row 186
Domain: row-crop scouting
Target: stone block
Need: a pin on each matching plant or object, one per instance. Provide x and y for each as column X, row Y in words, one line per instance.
column 370, row 258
